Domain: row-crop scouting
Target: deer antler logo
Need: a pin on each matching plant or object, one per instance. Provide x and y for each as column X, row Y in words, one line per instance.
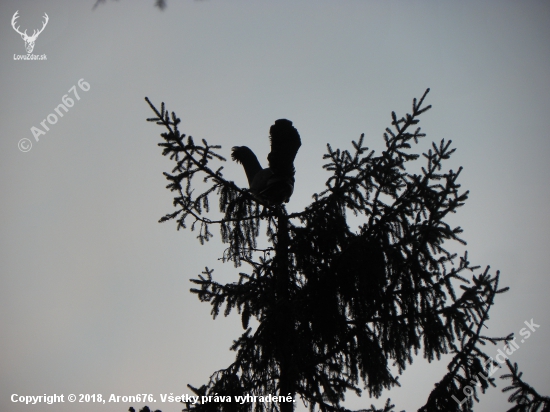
column 29, row 40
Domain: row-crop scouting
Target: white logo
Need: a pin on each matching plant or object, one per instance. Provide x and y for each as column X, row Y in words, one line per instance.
column 29, row 40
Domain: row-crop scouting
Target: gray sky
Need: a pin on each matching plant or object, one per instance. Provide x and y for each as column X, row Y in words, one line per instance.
column 94, row 292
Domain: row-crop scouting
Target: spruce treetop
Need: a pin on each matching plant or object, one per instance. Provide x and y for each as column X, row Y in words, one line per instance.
column 337, row 305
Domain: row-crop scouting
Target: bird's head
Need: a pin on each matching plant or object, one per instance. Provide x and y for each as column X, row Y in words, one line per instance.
column 248, row 159
column 242, row 153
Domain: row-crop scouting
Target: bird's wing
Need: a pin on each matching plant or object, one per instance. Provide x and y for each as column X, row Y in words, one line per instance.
column 285, row 142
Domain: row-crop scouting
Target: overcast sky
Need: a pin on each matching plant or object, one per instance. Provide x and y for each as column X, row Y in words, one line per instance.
column 94, row 292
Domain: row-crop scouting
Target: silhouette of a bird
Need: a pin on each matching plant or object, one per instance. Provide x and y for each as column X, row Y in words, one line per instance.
column 275, row 184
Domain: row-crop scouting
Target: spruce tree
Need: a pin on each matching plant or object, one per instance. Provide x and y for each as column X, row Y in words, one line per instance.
column 337, row 305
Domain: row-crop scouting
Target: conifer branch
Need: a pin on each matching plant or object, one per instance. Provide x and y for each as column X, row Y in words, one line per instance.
column 239, row 225
column 335, row 306
column 526, row 398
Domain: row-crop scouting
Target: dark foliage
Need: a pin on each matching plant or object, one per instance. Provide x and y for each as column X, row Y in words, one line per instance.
column 160, row 4
column 525, row 397
column 337, row 306
column 144, row 409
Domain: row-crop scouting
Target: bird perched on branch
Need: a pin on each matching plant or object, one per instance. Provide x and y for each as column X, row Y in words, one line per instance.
column 275, row 184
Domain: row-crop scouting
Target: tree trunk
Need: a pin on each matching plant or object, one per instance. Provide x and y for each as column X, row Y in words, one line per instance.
column 285, row 318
